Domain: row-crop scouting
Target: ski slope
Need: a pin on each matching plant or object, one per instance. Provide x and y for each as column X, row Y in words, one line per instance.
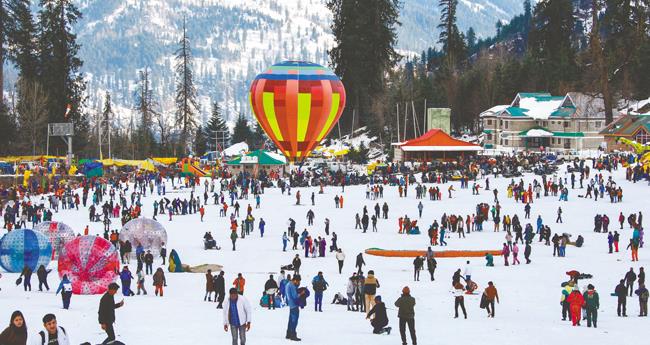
column 529, row 312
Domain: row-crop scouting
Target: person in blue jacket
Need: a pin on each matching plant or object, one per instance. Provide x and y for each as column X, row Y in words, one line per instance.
column 261, row 226
column 319, row 284
column 293, row 301
column 65, row 287
column 126, row 277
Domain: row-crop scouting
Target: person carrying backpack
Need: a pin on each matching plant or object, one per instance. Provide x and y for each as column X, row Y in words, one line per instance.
column 320, row 285
column 53, row 333
column 65, row 287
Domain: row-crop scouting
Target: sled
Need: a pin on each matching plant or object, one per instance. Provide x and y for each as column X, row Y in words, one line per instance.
column 437, row 254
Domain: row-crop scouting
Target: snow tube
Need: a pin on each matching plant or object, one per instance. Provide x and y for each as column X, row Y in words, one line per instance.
column 175, row 265
column 437, row 254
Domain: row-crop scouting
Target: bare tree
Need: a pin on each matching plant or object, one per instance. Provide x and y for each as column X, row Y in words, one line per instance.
column 32, row 111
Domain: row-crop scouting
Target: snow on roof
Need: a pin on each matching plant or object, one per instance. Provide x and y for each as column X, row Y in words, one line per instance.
column 539, row 107
column 494, row 110
column 538, row 133
column 236, row 149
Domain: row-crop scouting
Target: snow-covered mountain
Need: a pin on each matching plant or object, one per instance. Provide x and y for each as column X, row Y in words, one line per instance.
column 232, row 41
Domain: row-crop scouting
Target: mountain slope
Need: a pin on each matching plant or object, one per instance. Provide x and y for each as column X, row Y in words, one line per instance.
column 232, row 41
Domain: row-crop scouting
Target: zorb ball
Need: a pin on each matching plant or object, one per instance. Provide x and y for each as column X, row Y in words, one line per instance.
column 90, row 262
column 147, row 232
column 20, row 248
column 58, row 233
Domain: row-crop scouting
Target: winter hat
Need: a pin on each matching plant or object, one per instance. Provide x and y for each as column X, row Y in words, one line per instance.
column 377, row 298
column 406, row 290
column 590, row 287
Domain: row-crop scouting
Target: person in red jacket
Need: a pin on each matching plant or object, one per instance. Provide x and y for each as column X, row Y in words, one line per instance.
column 576, row 301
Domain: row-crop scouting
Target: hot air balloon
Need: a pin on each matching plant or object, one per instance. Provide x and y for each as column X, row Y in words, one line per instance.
column 90, row 262
column 297, row 104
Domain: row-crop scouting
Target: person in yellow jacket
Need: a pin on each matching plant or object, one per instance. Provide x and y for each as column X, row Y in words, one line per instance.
column 566, row 291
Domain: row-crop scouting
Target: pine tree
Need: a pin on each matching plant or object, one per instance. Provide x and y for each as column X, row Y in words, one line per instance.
column 145, row 107
column 4, row 19
column 7, row 130
column 21, row 34
column 451, row 39
column 470, row 37
column 59, row 67
column 553, row 57
column 365, row 36
column 242, row 132
column 625, row 24
column 598, row 63
column 216, row 130
column 106, row 121
column 186, row 103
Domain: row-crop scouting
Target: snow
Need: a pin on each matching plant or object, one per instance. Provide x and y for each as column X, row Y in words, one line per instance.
column 494, row 110
column 236, row 149
column 529, row 294
column 539, row 109
column 536, row 132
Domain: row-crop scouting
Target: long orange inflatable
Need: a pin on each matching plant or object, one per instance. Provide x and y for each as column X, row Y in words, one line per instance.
column 437, row 254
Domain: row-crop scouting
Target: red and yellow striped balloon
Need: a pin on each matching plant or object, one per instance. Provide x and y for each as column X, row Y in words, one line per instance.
column 297, row 104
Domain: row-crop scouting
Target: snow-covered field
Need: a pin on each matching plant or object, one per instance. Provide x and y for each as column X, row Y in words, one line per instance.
column 529, row 312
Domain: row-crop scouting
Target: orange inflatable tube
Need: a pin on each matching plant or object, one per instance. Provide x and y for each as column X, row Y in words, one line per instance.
column 437, row 254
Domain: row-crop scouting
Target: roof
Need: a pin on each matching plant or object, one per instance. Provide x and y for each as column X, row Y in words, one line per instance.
column 540, row 132
column 496, row 110
column 627, row 125
column 437, row 140
column 536, row 105
column 260, row 157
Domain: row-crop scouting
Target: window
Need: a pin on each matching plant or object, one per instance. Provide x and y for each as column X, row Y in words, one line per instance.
column 500, row 122
column 566, row 124
column 642, row 137
column 506, row 142
column 489, row 122
column 489, row 137
column 597, row 124
column 506, row 124
column 546, row 123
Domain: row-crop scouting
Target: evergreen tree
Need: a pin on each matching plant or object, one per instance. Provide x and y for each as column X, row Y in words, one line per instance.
column 200, row 143
column 7, row 130
column 21, row 34
column 145, row 107
column 365, row 36
column 451, row 39
column 471, row 38
column 4, row 19
column 186, row 103
column 59, row 68
column 216, row 130
column 242, row 132
column 625, row 24
column 106, row 118
column 553, row 58
column 599, row 68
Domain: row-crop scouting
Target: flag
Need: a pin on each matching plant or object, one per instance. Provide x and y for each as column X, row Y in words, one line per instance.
column 68, row 109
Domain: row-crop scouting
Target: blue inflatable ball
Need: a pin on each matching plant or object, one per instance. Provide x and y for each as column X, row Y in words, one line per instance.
column 20, row 248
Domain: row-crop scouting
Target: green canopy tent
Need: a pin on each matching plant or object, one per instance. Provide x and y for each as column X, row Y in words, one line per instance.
column 258, row 157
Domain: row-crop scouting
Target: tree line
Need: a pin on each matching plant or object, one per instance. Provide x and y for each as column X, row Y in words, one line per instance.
column 547, row 48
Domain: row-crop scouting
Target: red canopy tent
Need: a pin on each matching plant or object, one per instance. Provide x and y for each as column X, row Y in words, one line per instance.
column 434, row 144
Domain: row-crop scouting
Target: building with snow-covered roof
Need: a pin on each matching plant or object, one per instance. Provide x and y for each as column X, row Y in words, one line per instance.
column 633, row 125
column 536, row 120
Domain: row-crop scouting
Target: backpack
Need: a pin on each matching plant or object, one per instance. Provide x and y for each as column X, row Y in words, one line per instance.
column 319, row 285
